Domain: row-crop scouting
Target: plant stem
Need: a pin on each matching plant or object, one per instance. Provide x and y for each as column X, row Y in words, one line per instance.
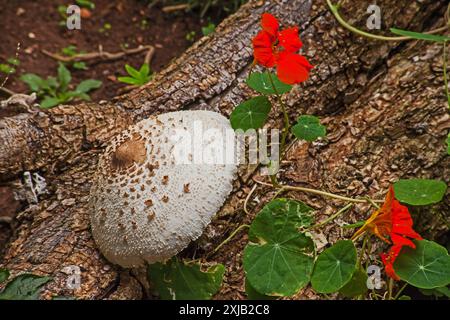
column 345, row 24
column 331, row 218
column 230, row 237
column 399, row 292
column 319, row 192
column 445, row 73
column 390, row 287
column 363, row 248
column 285, row 115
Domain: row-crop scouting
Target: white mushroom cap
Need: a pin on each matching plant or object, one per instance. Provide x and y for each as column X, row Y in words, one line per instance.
column 146, row 203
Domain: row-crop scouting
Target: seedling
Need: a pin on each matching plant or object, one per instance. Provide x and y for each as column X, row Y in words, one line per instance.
column 208, row 29
column 55, row 90
column 71, row 51
column 106, row 27
column 190, row 36
column 10, row 66
column 86, row 4
column 137, row 77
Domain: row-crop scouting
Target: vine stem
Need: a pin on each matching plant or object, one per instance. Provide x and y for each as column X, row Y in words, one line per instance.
column 285, row 115
column 319, row 192
column 399, row 292
column 230, row 237
column 345, row 24
column 331, row 218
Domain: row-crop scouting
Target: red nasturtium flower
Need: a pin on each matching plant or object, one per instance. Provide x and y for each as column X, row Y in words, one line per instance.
column 392, row 220
column 273, row 48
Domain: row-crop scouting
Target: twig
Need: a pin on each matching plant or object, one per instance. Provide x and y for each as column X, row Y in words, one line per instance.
column 177, row 7
column 103, row 55
column 149, row 55
column 7, row 91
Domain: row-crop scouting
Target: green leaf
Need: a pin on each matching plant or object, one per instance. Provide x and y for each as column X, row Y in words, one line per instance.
column 252, row 294
column 80, row 66
column 437, row 292
column 261, row 83
column 357, row 284
column 88, row 85
column 419, row 192
column 278, row 261
column 4, row 275
column 86, row 3
column 420, row 36
column 334, row 267
column 251, row 114
column 70, row 50
column 426, row 267
column 308, row 128
column 132, row 71
column 6, row 68
column 49, row 102
column 129, row 80
column 64, row 77
column 24, row 287
column 144, row 70
column 33, row 81
column 210, row 28
column 177, row 280
column 404, row 298
column 13, row 61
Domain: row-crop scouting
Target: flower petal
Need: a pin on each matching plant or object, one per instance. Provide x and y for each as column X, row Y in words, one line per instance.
column 289, row 39
column 292, row 68
column 389, row 259
column 269, row 24
column 262, row 49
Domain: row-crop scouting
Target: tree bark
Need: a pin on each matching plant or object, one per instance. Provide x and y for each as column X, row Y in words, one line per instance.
column 383, row 103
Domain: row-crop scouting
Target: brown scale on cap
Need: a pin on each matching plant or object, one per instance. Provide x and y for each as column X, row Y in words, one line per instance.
column 128, row 153
column 165, row 180
column 165, row 199
column 148, row 202
column 186, row 188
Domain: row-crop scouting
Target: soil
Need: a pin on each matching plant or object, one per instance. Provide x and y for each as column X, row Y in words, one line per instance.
column 36, row 25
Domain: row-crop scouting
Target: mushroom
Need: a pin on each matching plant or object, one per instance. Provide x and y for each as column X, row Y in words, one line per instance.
column 151, row 196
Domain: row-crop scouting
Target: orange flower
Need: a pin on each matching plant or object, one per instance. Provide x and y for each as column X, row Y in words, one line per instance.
column 392, row 220
column 273, row 48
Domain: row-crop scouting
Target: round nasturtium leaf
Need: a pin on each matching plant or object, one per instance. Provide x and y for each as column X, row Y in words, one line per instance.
column 4, row 275
column 357, row 284
column 252, row 294
column 419, row 192
column 308, row 128
column 427, row 266
column 24, row 287
column 278, row 261
column 334, row 267
column 176, row 280
column 251, row 114
column 260, row 81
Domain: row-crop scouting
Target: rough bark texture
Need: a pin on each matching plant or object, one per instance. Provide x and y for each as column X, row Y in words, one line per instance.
column 383, row 104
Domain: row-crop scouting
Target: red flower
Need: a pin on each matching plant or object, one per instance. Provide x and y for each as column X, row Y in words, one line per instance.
column 392, row 220
column 278, row 48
